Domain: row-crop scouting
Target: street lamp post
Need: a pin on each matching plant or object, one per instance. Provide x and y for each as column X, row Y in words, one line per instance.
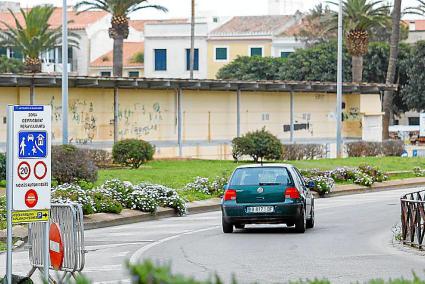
column 192, row 40
column 339, row 86
column 64, row 73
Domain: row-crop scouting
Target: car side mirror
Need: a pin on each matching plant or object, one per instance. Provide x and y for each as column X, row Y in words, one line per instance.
column 311, row 184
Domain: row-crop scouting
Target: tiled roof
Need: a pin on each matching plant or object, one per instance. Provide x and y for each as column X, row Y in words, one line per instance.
column 77, row 22
column 419, row 24
column 254, row 25
column 129, row 50
column 139, row 25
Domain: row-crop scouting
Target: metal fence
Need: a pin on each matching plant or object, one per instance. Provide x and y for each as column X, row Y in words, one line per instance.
column 413, row 218
column 69, row 217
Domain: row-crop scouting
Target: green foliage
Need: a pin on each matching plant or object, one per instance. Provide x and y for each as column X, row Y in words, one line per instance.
column 2, row 166
column 252, row 68
column 117, row 7
column 149, row 273
column 132, row 152
column 105, row 204
column 139, row 57
column 33, row 35
column 70, row 164
column 260, row 145
column 316, row 63
column 10, row 65
column 413, row 91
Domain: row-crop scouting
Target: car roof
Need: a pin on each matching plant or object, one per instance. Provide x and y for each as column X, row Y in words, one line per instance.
column 271, row 165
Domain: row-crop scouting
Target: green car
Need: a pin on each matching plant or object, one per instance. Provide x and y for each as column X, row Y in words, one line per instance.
column 267, row 194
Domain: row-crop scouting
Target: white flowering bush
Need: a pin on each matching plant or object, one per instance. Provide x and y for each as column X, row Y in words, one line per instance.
column 363, row 179
column 66, row 193
column 322, row 184
column 114, row 195
column 164, row 196
column 204, row 185
column 118, row 190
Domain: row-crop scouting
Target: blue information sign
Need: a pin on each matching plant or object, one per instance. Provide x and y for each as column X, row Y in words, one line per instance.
column 32, row 144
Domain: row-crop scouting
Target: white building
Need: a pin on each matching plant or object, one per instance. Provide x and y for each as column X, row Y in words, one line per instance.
column 284, row 7
column 167, row 49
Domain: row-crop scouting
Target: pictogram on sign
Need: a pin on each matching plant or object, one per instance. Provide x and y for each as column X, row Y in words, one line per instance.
column 24, row 170
column 31, row 198
column 32, row 144
column 56, row 246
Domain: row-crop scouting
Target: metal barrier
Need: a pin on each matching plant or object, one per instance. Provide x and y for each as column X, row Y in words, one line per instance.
column 413, row 218
column 69, row 217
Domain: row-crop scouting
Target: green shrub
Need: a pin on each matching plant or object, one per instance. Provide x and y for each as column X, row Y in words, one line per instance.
column 260, row 145
column 105, row 204
column 70, row 164
column 239, row 147
column 101, row 158
column 2, row 166
column 132, row 152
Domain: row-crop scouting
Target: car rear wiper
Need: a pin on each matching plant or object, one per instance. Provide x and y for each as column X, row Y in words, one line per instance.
column 269, row 183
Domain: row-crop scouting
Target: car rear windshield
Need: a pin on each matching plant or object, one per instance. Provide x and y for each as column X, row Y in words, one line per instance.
column 262, row 176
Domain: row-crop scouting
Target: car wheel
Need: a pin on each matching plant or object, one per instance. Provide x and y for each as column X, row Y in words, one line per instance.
column 227, row 227
column 310, row 222
column 300, row 224
column 240, row 226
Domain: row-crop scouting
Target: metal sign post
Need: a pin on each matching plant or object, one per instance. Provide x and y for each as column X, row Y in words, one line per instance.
column 28, row 173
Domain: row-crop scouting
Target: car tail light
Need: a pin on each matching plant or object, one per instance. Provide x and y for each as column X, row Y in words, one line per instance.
column 230, row 194
column 292, row 192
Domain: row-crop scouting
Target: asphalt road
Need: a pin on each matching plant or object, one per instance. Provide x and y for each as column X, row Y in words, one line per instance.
column 352, row 241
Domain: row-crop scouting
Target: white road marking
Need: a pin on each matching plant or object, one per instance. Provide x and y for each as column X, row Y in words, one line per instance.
column 137, row 255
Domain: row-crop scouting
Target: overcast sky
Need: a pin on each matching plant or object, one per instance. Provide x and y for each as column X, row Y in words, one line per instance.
column 181, row 8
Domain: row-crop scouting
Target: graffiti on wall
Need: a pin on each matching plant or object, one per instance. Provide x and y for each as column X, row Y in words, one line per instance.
column 140, row 120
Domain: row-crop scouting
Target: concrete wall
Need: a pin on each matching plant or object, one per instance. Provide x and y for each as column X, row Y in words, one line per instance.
column 209, row 117
column 235, row 48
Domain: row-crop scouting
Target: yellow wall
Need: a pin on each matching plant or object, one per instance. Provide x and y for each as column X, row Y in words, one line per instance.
column 235, row 48
column 208, row 116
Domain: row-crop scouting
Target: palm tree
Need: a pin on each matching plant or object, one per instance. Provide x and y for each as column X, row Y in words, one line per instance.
column 360, row 16
column 32, row 36
column 394, row 46
column 119, row 9
column 119, row 30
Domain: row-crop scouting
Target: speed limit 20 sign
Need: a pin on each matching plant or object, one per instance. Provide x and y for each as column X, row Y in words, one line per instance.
column 31, row 181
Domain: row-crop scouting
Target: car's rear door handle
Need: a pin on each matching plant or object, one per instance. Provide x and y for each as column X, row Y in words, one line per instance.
column 259, row 197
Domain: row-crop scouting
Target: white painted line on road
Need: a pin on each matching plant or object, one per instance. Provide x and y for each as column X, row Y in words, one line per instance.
column 137, row 255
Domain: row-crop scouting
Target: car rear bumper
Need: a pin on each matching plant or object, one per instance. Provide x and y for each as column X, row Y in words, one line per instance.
column 283, row 213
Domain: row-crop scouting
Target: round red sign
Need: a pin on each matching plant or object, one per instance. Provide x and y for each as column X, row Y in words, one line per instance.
column 24, row 170
column 40, row 170
column 56, row 246
column 31, row 198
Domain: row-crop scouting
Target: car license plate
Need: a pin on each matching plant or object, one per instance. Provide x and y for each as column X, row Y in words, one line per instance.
column 260, row 209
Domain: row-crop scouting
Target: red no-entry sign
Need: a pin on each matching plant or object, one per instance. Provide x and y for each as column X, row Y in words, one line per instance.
column 31, row 198
column 56, row 246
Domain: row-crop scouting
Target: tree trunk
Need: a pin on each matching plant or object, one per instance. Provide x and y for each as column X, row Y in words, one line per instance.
column 32, row 94
column 118, row 56
column 392, row 66
column 357, row 68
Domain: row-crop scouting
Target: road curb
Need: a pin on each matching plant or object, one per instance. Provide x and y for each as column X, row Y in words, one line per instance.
column 103, row 220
